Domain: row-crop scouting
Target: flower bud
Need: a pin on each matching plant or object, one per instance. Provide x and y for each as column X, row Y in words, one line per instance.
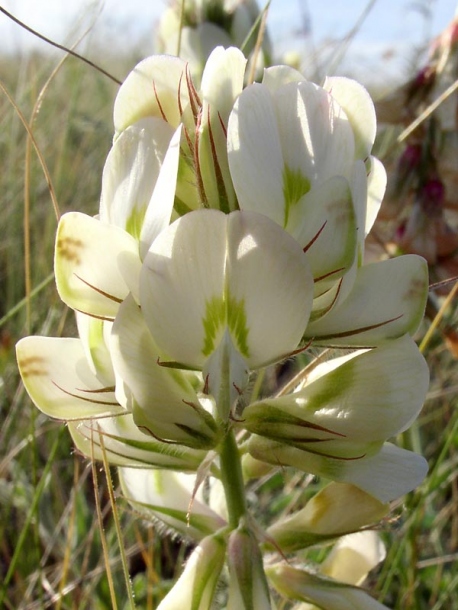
column 195, row 588
column 247, row 582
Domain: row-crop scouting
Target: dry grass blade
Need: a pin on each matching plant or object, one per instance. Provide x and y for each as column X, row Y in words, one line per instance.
column 262, row 21
column 428, row 111
column 59, row 46
column 440, row 314
column 114, row 509
column 102, row 530
column 27, row 127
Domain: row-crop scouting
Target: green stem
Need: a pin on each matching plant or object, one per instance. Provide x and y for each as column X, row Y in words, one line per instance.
column 232, row 479
column 230, row 463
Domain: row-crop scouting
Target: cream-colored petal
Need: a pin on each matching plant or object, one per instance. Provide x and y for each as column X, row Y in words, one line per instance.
column 269, row 278
column 359, row 108
column 387, row 475
column 172, row 498
column 156, row 87
column 255, row 154
column 336, row 510
column 387, row 300
column 182, row 275
column 295, row 583
column 94, row 264
column 210, row 272
column 131, row 172
column 165, row 403
column 59, row 380
column 120, row 441
column 353, row 408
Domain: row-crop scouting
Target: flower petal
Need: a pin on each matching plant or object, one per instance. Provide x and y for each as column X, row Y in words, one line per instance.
column 155, row 87
column 120, row 441
column 283, row 145
column 267, row 271
column 238, row 271
column 160, row 207
column 255, row 155
column 131, row 171
column 295, row 583
column 170, row 497
column 93, row 263
column 324, row 224
column 387, row 300
column 376, row 185
column 316, row 136
column 59, row 380
column 338, row 509
column 357, row 405
column 94, row 334
column 195, row 588
column 354, row 556
column 359, row 108
column 387, row 475
column 183, row 271
column 275, row 77
column 222, row 82
column 166, row 405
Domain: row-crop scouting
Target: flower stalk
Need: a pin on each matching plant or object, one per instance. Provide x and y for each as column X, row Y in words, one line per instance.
column 232, row 478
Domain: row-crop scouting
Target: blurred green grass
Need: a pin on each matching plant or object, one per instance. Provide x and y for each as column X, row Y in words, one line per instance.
column 51, row 552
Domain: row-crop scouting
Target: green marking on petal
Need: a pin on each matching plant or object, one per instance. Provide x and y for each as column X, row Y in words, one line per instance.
column 135, row 221
column 96, row 340
column 220, row 312
column 295, row 186
column 236, row 319
column 215, row 317
column 335, row 384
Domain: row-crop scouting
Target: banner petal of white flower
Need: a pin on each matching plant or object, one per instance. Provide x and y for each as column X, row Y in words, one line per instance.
column 275, row 77
column 59, row 380
column 387, row 300
column 324, row 224
column 228, row 275
column 93, row 263
column 316, row 137
column 376, row 185
column 222, row 82
column 375, row 474
column 181, row 275
column 155, row 87
column 268, row 272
